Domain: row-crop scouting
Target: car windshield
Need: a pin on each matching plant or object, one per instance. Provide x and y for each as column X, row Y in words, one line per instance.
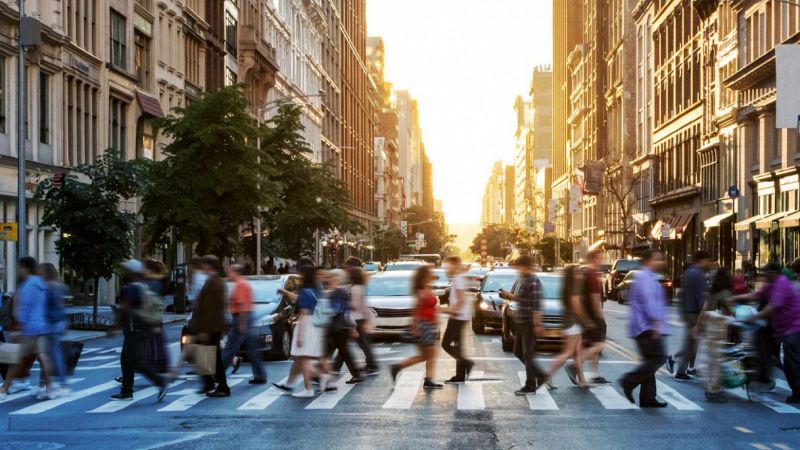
column 369, row 267
column 266, row 291
column 401, row 266
column 628, row 264
column 551, row 287
column 477, row 272
column 440, row 277
column 389, row 287
column 494, row 283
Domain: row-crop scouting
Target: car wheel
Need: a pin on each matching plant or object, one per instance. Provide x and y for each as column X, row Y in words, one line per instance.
column 477, row 325
column 506, row 341
column 283, row 348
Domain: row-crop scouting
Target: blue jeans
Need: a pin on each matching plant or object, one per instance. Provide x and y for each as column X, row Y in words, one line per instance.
column 54, row 350
column 235, row 341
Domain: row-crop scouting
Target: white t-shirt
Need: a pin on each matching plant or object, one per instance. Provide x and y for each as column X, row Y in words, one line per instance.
column 460, row 285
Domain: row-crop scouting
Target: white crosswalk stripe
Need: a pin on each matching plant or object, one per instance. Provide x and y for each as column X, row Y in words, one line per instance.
column 114, row 406
column 542, row 400
column 189, row 400
column 770, row 403
column 675, row 399
column 329, row 400
column 470, row 394
column 405, row 390
column 77, row 395
column 611, row 399
column 29, row 392
column 264, row 399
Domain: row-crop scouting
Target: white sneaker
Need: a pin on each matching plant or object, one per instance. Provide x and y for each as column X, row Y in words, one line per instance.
column 3, row 396
column 324, row 379
column 19, row 386
column 38, row 391
column 305, row 393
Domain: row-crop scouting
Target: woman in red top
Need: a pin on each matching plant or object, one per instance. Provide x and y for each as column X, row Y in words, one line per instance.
column 423, row 329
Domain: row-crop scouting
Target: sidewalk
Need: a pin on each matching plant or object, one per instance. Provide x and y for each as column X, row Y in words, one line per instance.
column 105, row 313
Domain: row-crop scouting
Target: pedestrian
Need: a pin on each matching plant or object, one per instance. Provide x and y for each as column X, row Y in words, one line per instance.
column 424, row 330
column 783, row 311
column 56, row 321
column 30, row 313
column 343, row 327
column 360, row 314
column 240, row 334
column 574, row 319
column 719, row 297
column 460, row 312
column 154, row 277
column 527, row 323
column 197, row 280
column 594, row 331
column 136, row 332
column 694, row 290
column 739, row 282
column 307, row 339
column 208, row 323
column 648, row 326
column 6, row 318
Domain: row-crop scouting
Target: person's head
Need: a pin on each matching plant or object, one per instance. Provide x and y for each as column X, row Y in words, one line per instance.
column 653, row 260
column 524, row 265
column 152, row 269
column 423, row 277
column 211, row 265
column 352, row 262
column 309, row 273
column 356, row 276
column 722, row 281
column 49, row 272
column 336, row 278
column 702, row 259
column 27, row 267
column 453, row 265
column 132, row 270
column 235, row 271
column 594, row 258
column 306, row 262
column 771, row 271
column 196, row 263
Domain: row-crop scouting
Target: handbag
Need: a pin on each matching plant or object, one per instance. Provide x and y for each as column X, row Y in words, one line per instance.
column 10, row 353
column 205, row 359
column 71, row 352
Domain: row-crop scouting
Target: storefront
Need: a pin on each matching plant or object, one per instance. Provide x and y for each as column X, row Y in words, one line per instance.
column 675, row 235
column 720, row 239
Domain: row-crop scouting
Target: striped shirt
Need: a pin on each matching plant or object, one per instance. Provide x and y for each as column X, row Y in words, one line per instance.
column 528, row 299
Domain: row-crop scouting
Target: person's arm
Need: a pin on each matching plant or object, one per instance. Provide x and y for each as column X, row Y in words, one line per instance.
column 536, row 298
column 652, row 310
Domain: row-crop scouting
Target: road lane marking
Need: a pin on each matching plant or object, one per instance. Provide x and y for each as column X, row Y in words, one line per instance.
column 774, row 405
column 114, row 406
column 30, row 391
column 470, row 394
column 99, row 358
column 542, row 400
column 264, row 399
column 71, row 397
column 189, row 437
column 328, row 400
column 782, row 446
column 189, row 400
column 675, row 399
column 611, row 399
column 405, row 390
column 744, row 430
column 86, row 351
column 760, row 446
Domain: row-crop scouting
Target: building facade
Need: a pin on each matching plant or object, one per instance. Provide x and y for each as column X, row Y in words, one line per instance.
column 494, row 197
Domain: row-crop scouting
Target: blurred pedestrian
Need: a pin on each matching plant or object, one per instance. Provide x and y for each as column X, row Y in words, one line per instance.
column 739, row 282
column 6, row 318
column 136, row 332
column 594, row 331
column 343, row 327
column 424, row 330
column 154, row 277
column 648, row 326
column 460, row 312
column 783, row 311
column 240, row 333
column 719, row 297
column 56, row 321
column 527, row 323
column 307, row 341
column 197, row 279
column 208, row 323
column 574, row 320
column 694, row 290
column 360, row 312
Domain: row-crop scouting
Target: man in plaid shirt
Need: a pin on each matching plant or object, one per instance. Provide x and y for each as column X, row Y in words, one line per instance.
column 527, row 323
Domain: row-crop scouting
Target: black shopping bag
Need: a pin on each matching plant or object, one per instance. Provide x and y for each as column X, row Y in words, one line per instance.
column 157, row 352
column 71, row 352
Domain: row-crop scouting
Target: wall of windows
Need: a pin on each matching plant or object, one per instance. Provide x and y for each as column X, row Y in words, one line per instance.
column 117, row 50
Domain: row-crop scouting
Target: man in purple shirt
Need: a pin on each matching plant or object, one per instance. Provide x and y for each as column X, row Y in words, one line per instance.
column 783, row 311
column 648, row 325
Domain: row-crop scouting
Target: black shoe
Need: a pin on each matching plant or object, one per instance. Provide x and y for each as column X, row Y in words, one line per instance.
column 571, row 373
column 653, row 404
column 282, row 387
column 314, row 380
column 599, row 380
column 468, row 367
column 683, row 377
column 354, row 380
column 118, row 379
column 671, row 364
column 456, row 380
column 237, row 362
column 394, row 370
column 628, row 388
column 692, row 371
column 216, row 393
column 793, row 400
column 122, row 397
column 431, row 385
column 331, row 388
column 371, row 371
column 162, row 392
column 525, row 390
column 258, row 381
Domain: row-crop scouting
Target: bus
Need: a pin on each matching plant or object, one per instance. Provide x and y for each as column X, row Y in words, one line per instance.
column 431, row 258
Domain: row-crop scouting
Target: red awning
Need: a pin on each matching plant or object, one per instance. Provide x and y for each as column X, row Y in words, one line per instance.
column 150, row 105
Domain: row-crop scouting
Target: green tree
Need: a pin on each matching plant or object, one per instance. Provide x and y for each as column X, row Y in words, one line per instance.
column 389, row 245
column 499, row 239
column 432, row 225
column 214, row 178
column 96, row 234
column 547, row 250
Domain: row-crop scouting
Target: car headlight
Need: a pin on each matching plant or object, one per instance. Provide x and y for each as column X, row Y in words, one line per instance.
column 266, row 320
column 484, row 305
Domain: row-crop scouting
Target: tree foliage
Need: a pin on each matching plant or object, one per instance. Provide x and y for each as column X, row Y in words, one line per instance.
column 97, row 234
column 389, row 245
column 432, row 225
column 622, row 187
column 547, row 250
column 499, row 240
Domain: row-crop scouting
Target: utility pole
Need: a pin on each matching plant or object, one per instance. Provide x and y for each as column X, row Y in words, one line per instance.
column 29, row 33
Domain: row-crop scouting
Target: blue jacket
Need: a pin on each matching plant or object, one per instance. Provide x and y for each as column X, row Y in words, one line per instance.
column 31, row 308
column 694, row 290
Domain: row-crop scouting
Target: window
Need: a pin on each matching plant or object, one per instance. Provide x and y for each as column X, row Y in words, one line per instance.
column 117, row 129
column 230, row 77
column 230, row 33
column 141, row 60
column 117, row 46
column 2, row 94
column 44, row 108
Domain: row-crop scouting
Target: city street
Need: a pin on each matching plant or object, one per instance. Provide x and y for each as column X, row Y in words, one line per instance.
column 481, row 414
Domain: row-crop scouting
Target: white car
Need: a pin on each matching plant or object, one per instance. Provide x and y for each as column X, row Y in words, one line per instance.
column 391, row 301
column 403, row 266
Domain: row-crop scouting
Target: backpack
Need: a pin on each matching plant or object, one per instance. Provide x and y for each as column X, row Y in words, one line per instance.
column 150, row 311
column 323, row 312
column 7, row 314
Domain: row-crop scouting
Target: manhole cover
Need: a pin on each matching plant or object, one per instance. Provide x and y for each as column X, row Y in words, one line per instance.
column 30, row 445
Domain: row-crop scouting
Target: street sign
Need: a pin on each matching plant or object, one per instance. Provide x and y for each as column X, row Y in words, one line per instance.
column 8, row 231
column 593, row 179
column 665, row 232
column 412, row 244
column 733, row 192
column 58, row 180
column 549, row 227
column 404, row 227
column 574, row 199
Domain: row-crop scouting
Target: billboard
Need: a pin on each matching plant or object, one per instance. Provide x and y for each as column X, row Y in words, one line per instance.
column 787, row 110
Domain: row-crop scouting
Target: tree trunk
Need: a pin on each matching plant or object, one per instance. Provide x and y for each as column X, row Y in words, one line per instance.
column 95, row 300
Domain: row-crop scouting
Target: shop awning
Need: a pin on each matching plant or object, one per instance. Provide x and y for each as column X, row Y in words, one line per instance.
column 150, row 105
column 792, row 220
column 597, row 245
column 766, row 222
column 679, row 224
column 744, row 225
column 655, row 233
column 716, row 220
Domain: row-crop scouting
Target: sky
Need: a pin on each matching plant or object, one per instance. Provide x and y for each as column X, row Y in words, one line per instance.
column 465, row 61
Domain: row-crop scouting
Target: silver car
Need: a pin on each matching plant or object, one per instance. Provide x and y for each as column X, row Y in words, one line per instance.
column 391, row 301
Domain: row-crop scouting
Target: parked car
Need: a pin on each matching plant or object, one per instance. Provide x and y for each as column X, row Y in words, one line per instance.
column 552, row 314
column 403, row 266
column 624, row 287
column 441, row 285
column 487, row 303
column 619, row 269
column 477, row 273
column 275, row 315
column 372, row 267
column 391, row 301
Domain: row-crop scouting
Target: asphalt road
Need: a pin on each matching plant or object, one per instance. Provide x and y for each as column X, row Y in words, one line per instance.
column 483, row 414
